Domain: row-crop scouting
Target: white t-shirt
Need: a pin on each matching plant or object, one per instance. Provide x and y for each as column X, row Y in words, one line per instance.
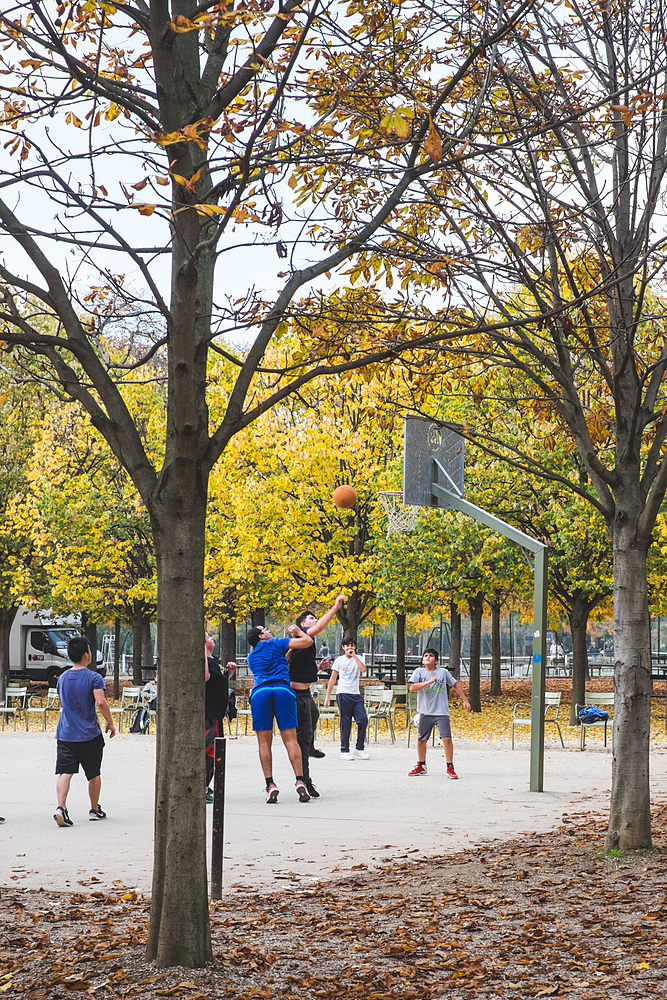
column 348, row 672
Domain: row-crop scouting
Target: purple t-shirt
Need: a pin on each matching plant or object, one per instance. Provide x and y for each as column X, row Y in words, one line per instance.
column 77, row 721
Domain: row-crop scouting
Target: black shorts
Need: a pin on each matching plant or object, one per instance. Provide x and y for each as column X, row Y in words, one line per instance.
column 87, row 753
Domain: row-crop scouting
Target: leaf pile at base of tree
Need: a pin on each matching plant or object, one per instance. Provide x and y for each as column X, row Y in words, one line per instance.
column 550, row 915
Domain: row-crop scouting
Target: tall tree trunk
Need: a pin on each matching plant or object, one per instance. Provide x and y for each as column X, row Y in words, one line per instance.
column 258, row 617
column 116, row 659
column 89, row 629
column 476, row 606
column 496, row 689
column 400, row 649
column 455, row 640
column 578, row 615
column 228, row 634
column 7, row 616
column 147, row 658
column 350, row 615
column 630, row 811
column 137, row 664
column 179, row 930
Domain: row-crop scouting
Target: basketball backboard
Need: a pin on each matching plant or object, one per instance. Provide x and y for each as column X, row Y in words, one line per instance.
column 424, row 440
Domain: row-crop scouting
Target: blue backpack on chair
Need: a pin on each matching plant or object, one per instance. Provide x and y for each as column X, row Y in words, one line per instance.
column 591, row 713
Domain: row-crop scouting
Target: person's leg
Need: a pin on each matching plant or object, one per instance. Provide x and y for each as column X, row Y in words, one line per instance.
column 345, row 708
column 94, row 788
column 426, row 723
column 304, row 729
column 264, row 741
column 361, row 719
column 447, row 742
column 314, row 717
column 63, row 782
column 288, row 737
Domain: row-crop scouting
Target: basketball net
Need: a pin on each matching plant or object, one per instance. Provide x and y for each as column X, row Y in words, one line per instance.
column 399, row 518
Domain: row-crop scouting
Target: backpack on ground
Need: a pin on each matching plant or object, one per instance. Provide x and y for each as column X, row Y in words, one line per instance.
column 140, row 721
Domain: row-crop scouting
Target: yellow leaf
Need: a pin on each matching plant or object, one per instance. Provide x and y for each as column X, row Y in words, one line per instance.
column 112, row 112
column 145, row 209
column 292, row 182
column 71, row 119
column 140, row 185
column 402, row 127
column 210, row 209
column 3, row 397
column 432, row 143
column 162, row 180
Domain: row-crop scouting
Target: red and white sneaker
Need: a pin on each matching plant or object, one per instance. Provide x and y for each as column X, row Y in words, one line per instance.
column 451, row 773
column 272, row 793
column 419, row 768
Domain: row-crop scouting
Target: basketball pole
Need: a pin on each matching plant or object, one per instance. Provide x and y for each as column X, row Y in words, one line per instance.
column 441, row 497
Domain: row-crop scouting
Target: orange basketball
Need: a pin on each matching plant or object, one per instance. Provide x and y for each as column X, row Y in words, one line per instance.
column 345, row 496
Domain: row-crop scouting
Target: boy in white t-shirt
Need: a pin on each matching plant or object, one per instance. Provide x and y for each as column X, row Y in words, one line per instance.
column 347, row 669
column 431, row 683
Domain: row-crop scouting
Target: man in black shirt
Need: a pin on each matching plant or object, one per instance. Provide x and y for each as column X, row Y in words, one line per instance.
column 217, row 699
column 303, row 673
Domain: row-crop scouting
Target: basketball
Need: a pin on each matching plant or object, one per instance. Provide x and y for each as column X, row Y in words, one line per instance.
column 345, row 496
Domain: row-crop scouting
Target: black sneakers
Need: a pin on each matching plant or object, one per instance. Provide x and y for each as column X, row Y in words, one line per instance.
column 312, row 791
column 97, row 813
column 317, row 753
column 61, row 816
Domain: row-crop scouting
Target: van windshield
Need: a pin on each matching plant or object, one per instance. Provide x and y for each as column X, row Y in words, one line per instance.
column 60, row 637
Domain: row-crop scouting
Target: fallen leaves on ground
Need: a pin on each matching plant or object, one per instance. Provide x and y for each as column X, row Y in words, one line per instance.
column 550, row 915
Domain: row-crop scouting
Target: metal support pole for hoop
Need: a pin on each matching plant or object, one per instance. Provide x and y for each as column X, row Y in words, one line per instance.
column 540, row 589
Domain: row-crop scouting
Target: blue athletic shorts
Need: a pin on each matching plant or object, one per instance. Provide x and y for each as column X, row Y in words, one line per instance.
column 273, row 701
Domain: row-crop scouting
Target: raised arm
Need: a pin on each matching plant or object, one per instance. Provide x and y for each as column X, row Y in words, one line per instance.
column 328, row 617
column 300, row 639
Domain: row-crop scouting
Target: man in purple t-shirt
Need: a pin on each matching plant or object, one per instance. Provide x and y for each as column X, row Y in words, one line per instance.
column 80, row 740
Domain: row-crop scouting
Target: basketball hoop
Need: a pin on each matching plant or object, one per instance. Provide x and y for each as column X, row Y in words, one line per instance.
column 400, row 518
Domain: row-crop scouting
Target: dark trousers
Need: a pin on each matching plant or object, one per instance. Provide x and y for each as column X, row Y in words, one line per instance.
column 315, row 715
column 351, row 706
column 307, row 715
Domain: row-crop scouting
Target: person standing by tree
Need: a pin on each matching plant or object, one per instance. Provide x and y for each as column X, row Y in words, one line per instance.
column 80, row 740
column 217, row 702
column 350, row 702
column 431, row 682
column 303, row 673
column 273, row 698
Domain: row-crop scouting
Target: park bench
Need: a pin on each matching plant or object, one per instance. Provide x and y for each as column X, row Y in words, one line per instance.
column 600, row 700
column 551, row 712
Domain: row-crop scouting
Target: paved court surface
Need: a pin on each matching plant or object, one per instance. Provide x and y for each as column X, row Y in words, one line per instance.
column 369, row 813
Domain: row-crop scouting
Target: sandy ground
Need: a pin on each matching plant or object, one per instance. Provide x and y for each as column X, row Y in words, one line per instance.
column 369, row 812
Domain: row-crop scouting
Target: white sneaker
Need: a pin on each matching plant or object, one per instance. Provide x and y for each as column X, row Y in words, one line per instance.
column 346, row 755
column 362, row 754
